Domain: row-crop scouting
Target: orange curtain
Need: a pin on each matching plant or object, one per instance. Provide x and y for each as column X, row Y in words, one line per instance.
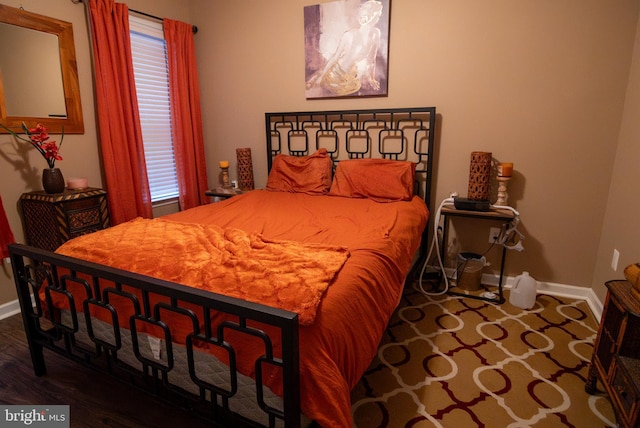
column 186, row 118
column 6, row 235
column 118, row 117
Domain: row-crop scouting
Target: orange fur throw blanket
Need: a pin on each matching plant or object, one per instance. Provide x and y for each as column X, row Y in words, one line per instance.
column 284, row 274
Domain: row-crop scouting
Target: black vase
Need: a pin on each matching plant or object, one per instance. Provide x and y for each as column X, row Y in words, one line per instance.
column 52, row 180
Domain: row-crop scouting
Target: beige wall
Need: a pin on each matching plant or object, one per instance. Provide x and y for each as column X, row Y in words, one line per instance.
column 80, row 152
column 621, row 228
column 541, row 84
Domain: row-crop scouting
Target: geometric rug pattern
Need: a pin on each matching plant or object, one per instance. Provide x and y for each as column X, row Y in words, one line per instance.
column 451, row 361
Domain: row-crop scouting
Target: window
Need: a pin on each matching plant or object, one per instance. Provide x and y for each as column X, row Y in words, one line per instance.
column 151, row 72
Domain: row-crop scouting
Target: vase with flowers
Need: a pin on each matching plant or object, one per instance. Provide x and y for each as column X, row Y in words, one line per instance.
column 38, row 137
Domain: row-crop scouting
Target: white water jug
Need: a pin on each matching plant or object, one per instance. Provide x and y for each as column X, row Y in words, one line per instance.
column 523, row 292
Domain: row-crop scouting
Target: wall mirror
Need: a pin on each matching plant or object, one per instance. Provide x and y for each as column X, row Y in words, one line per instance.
column 38, row 73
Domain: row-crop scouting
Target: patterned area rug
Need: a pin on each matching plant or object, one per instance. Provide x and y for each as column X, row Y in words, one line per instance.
column 450, row 361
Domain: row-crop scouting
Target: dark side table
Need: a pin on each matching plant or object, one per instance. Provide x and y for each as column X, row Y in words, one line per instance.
column 221, row 193
column 49, row 220
column 504, row 215
column 616, row 354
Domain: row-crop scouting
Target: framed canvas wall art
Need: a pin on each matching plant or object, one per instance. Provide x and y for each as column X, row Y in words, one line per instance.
column 347, row 48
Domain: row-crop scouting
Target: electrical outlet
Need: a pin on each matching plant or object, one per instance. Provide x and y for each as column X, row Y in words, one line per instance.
column 494, row 234
column 614, row 259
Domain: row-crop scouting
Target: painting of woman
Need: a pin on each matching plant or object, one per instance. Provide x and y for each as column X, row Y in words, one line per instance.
column 347, row 48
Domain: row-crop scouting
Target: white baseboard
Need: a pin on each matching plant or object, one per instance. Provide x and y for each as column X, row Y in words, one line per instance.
column 560, row 290
column 8, row 309
column 550, row 288
column 554, row 289
column 575, row 292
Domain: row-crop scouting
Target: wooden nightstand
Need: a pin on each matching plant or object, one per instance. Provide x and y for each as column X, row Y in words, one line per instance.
column 616, row 355
column 51, row 219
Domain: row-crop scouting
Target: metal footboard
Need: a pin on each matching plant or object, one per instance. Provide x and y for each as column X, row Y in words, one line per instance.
column 42, row 277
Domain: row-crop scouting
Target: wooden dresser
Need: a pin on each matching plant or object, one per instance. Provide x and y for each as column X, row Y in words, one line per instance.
column 616, row 355
column 51, row 219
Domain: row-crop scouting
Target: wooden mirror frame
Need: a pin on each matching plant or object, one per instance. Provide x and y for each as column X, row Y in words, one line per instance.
column 73, row 123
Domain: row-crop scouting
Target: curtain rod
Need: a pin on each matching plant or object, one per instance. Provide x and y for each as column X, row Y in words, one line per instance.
column 148, row 15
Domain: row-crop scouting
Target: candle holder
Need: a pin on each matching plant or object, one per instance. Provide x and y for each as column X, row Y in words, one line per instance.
column 503, row 196
column 224, row 175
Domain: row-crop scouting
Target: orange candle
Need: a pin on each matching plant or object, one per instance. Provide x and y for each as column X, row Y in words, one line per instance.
column 224, row 164
column 505, row 170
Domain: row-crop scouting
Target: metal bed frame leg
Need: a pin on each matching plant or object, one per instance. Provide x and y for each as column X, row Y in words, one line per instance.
column 30, row 322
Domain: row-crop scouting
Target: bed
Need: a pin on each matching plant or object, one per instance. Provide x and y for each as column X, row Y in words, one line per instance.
column 260, row 310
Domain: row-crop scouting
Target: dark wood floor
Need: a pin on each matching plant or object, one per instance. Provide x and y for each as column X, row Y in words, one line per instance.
column 95, row 400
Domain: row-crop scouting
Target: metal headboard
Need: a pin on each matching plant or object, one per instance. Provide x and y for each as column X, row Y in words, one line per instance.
column 405, row 134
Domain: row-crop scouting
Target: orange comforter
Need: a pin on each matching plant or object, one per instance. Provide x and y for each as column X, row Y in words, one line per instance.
column 381, row 239
column 283, row 274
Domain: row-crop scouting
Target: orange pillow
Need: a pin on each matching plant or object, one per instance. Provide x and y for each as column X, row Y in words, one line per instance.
column 378, row 179
column 301, row 174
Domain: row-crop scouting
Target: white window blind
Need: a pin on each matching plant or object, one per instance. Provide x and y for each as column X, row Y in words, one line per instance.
column 150, row 68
